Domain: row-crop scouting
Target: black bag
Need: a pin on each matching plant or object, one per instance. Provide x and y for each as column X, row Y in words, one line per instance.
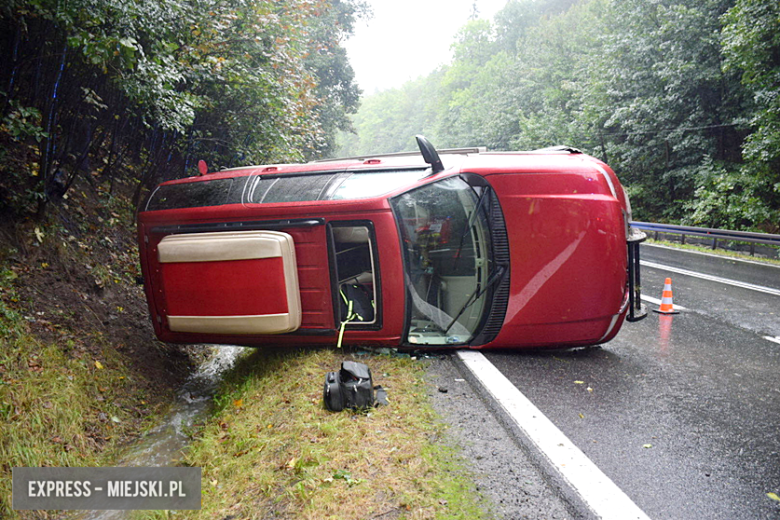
column 350, row 387
column 362, row 308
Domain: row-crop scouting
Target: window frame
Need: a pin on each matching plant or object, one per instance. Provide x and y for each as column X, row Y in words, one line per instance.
column 473, row 181
column 377, row 324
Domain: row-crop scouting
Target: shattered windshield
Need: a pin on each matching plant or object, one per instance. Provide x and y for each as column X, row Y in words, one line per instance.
column 448, row 260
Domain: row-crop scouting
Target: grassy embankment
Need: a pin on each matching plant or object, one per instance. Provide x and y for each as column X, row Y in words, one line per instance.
column 80, row 371
column 271, row 450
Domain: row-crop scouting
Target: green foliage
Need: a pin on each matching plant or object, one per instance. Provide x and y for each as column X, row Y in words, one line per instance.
column 24, row 123
column 727, row 199
column 388, row 120
column 163, row 83
column 751, row 46
column 681, row 97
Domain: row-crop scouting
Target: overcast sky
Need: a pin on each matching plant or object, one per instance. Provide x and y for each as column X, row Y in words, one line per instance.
column 407, row 39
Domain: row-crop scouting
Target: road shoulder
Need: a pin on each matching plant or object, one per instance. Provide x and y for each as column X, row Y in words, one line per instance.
column 502, row 470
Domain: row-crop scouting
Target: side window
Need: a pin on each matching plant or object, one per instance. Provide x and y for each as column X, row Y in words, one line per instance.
column 191, row 195
column 356, row 273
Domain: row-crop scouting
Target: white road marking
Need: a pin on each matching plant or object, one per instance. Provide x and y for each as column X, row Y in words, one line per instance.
column 658, row 302
column 736, row 283
column 775, row 339
column 602, row 496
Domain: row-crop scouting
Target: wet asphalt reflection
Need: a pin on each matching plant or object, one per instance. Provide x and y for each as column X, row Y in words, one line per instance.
column 682, row 412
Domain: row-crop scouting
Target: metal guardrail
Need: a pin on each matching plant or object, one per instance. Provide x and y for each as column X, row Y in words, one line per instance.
column 716, row 235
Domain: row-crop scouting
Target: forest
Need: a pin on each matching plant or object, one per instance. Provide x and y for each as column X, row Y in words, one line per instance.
column 141, row 90
column 680, row 97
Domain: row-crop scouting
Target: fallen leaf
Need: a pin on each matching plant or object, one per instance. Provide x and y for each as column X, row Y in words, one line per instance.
column 773, row 496
column 582, row 416
column 39, row 235
column 238, row 403
column 647, row 446
column 579, row 382
column 98, row 365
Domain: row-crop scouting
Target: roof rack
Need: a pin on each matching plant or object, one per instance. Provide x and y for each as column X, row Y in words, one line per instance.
column 448, row 151
column 562, row 149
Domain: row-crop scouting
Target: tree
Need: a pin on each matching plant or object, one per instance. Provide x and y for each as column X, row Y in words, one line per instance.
column 671, row 106
column 87, row 85
column 751, row 47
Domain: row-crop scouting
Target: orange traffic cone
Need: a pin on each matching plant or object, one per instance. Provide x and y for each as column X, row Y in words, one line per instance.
column 667, row 307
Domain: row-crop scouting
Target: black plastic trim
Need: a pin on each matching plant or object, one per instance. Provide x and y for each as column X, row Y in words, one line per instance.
column 253, row 225
column 499, row 297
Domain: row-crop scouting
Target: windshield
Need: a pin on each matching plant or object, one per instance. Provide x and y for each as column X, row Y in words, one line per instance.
column 448, row 260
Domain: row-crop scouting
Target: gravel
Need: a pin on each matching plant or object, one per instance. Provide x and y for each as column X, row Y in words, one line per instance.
column 504, row 472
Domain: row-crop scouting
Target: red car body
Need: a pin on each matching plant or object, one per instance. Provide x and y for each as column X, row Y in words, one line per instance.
column 463, row 249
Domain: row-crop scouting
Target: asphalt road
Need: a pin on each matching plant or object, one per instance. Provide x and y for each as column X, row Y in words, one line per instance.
column 682, row 412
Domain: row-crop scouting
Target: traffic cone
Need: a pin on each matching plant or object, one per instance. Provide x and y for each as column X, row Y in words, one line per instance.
column 667, row 307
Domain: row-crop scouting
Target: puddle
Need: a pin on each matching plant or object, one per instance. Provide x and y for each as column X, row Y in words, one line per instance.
column 163, row 445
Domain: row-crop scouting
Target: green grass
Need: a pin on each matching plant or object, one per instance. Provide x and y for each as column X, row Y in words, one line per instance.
column 59, row 405
column 271, row 450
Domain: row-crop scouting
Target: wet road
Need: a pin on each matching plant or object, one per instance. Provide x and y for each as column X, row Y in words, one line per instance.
column 681, row 412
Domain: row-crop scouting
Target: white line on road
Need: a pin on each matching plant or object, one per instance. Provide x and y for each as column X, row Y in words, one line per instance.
column 736, row 283
column 775, row 339
column 658, row 302
column 602, row 496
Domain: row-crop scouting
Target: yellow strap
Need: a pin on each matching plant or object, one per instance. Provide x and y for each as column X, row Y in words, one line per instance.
column 350, row 317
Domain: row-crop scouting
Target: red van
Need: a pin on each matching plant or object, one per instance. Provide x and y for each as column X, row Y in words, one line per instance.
column 432, row 249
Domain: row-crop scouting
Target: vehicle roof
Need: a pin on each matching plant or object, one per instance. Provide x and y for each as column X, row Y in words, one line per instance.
column 474, row 160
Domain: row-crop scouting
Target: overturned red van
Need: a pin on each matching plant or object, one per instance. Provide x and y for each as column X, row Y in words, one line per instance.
column 433, row 249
